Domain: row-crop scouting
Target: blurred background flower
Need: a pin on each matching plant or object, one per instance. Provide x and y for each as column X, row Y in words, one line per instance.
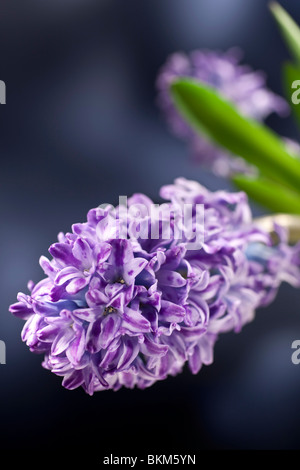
column 81, row 126
column 236, row 82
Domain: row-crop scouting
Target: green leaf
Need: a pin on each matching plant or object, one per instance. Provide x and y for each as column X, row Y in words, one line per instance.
column 269, row 194
column 212, row 114
column 291, row 75
column 289, row 29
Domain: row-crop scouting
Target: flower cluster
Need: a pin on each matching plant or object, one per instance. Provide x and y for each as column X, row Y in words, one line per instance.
column 115, row 312
column 238, row 83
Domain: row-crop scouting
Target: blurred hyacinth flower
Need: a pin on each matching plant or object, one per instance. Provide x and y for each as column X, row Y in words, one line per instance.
column 238, row 83
column 115, row 312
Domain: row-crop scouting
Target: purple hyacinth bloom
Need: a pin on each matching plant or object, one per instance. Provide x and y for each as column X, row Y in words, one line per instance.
column 238, row 83
column 115, row 312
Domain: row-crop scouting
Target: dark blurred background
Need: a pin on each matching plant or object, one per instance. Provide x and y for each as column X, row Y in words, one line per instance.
column 80, row 128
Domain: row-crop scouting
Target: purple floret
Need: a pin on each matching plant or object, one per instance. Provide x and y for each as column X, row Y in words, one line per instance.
column 115, row 312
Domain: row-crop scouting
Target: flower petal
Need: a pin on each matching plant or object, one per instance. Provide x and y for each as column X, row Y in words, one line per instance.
column 88, row 314
column 171, row 312
column 21, row 310
column 62, row 341
column 47, row 267
column 121, row 253
column 48, row 333
column 170, row 278
column 77, row 284
column 82, row 251
column 129, row 353
column 109, row 328
column 77, row 347
column 135, row 322
column 102, row 252
column 150, row 348
column 195, row 362
column 62, row 253
column 132, row 269
column 73, row 379
column 193, row 333
column 29, row 331
column 66, row 274
column 93, row 342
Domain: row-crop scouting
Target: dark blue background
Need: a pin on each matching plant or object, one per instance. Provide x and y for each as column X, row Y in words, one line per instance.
column 80, row 128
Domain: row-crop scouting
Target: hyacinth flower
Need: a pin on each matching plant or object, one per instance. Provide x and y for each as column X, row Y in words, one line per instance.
column 238, row 83
column 131, row 311
column 133, row 294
